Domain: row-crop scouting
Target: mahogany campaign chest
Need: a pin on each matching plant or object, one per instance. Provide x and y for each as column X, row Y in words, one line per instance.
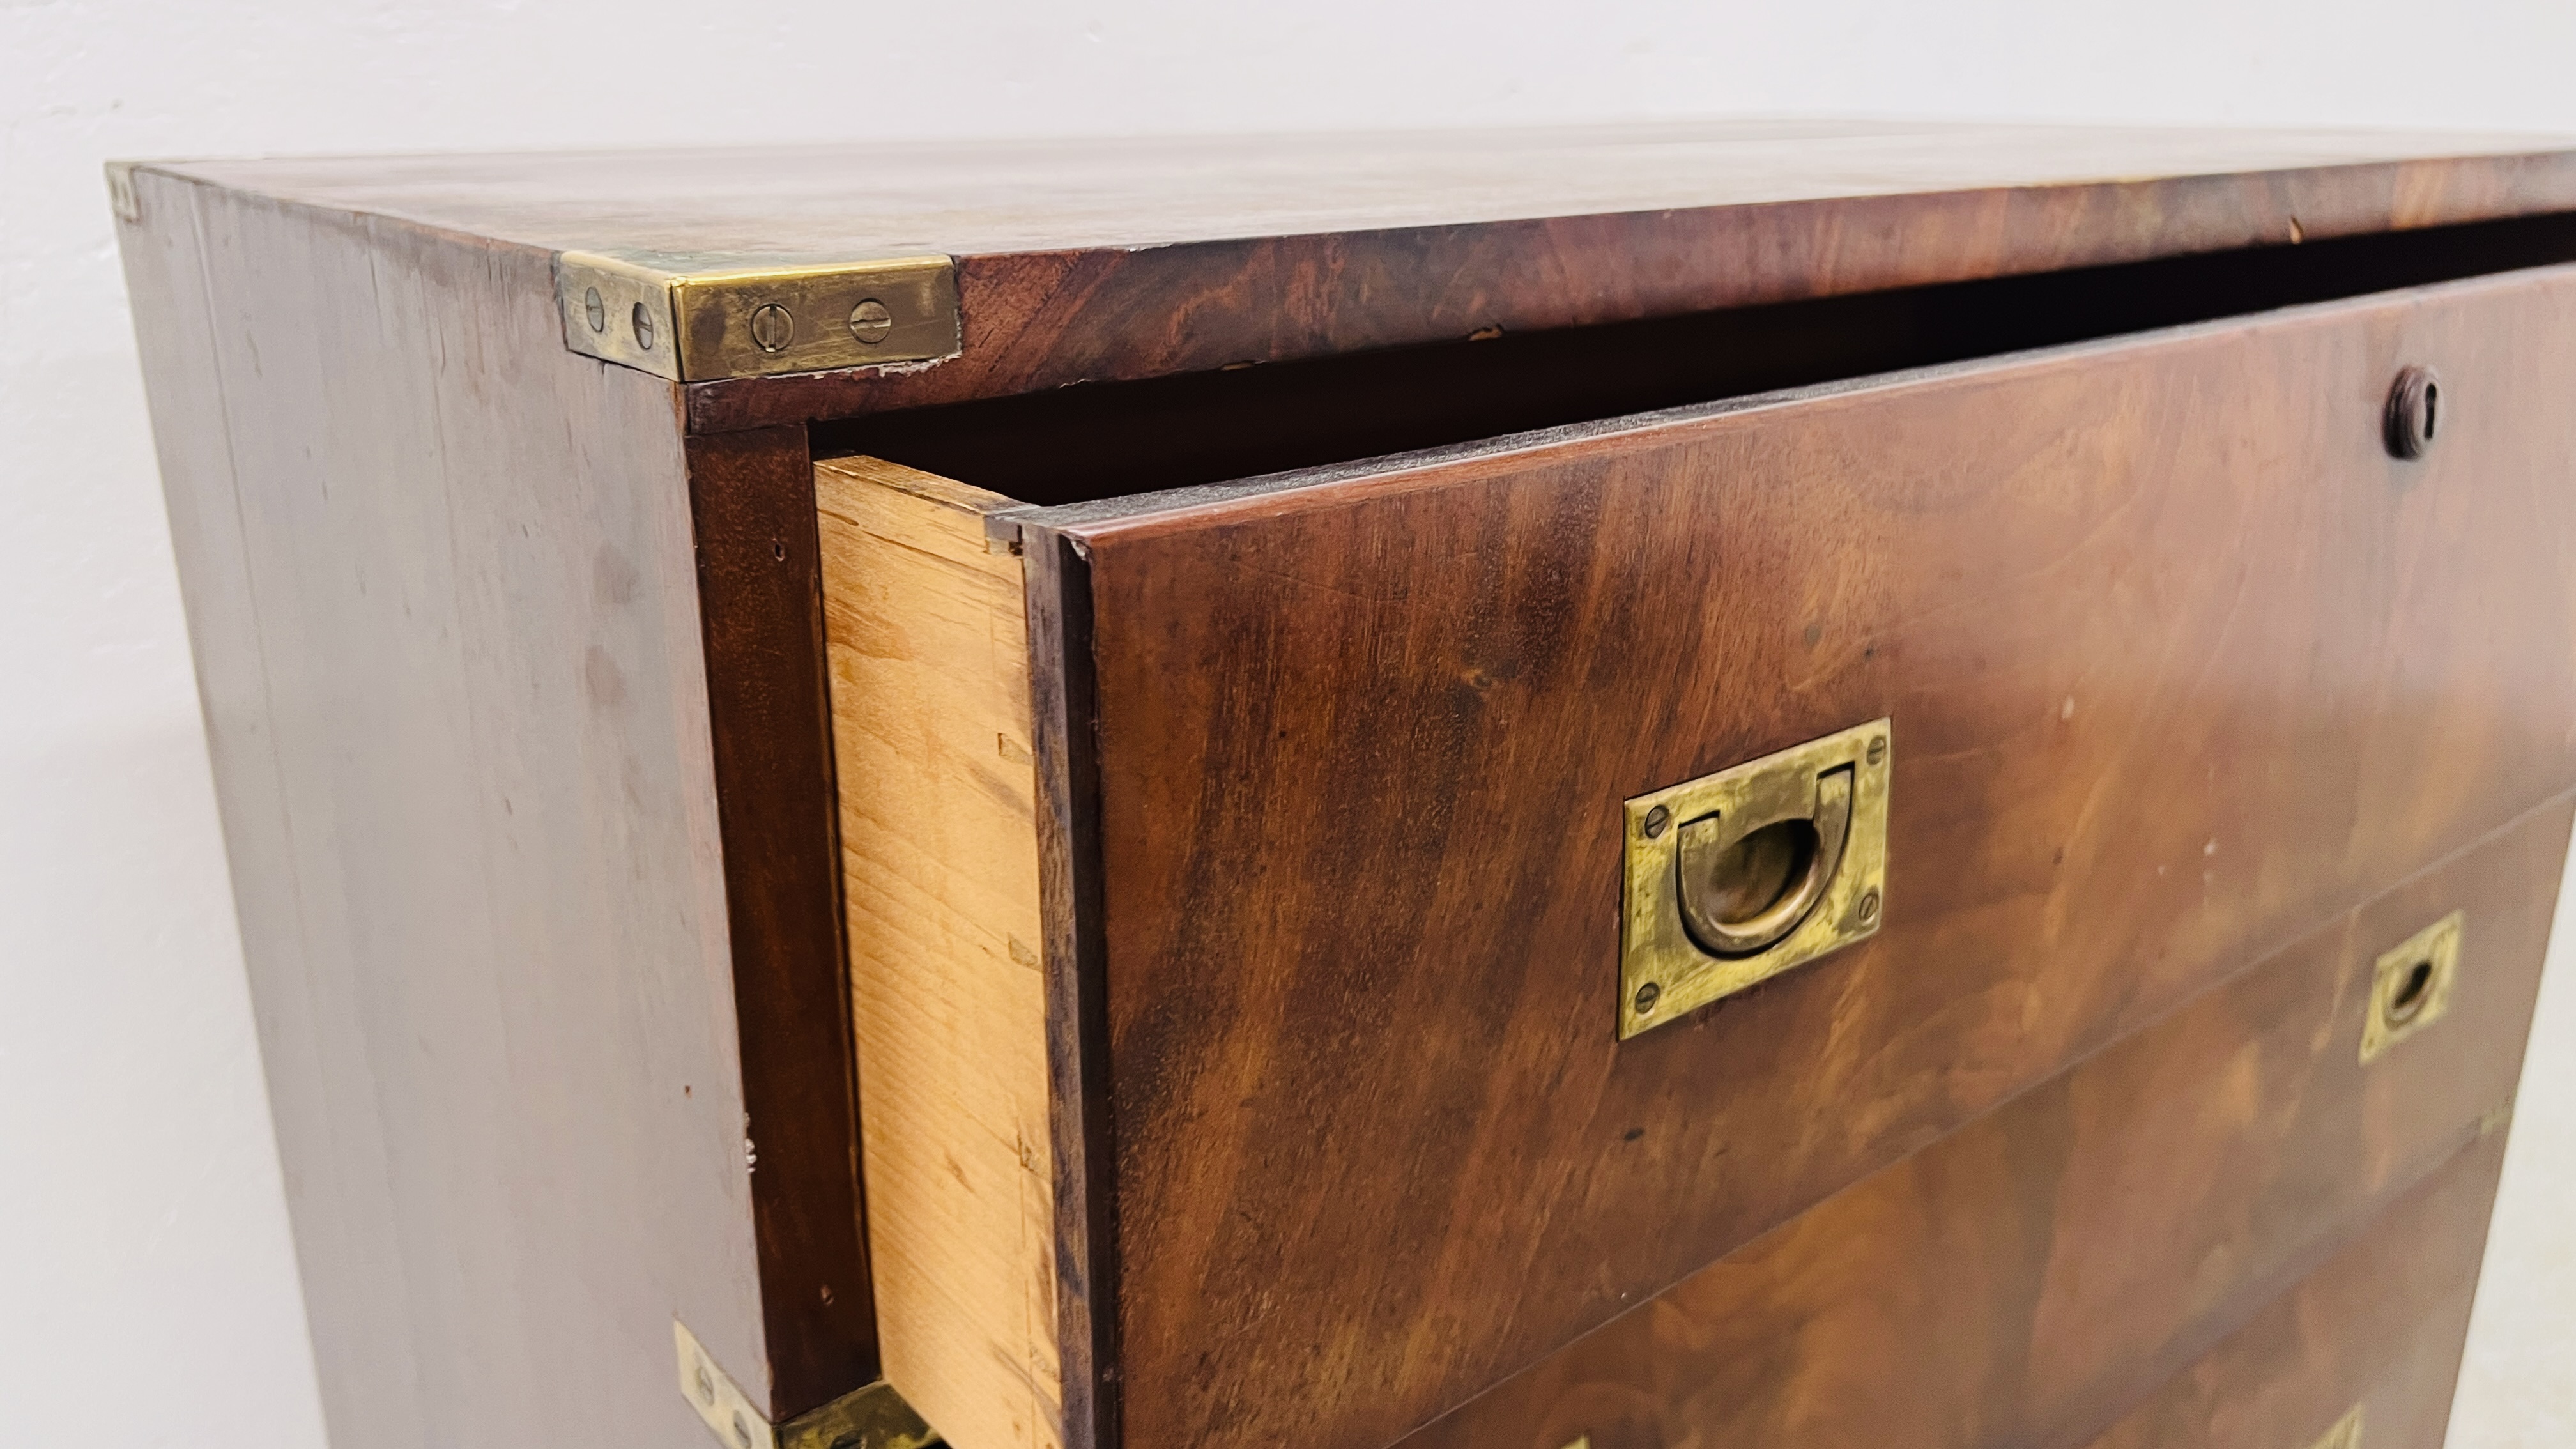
column 1768, row 783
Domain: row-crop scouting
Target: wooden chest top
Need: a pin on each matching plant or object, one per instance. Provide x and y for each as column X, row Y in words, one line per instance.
column 1105, row 260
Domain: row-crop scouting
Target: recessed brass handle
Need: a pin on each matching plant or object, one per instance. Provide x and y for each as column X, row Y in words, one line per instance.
column 1749, row 878
column 1734, row 877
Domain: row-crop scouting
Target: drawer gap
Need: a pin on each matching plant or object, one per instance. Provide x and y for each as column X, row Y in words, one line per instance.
column 1094, row 442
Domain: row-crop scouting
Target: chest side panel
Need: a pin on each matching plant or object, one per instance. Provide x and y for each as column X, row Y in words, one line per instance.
column 439, row 580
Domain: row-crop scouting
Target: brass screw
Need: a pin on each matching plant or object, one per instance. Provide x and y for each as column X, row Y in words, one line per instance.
column 870, row 322
column 1656, row 820
column 643, row 321
column 595, row 309
column 1647, row 995
column 1868, row 907
column 706, row 1385
column 772, row 327
column 1878, row 749
column 741, row 1430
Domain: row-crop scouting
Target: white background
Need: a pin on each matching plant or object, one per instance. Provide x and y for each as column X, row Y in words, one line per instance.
column 147, row 1289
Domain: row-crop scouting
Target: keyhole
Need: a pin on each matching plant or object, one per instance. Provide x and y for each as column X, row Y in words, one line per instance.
column 2410, row 995
column 2413, row 413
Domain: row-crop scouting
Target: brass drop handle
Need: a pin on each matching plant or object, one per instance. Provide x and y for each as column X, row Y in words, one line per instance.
column 1750, row 876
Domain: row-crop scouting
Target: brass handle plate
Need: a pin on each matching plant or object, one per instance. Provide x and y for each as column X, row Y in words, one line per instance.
column 1735, row 877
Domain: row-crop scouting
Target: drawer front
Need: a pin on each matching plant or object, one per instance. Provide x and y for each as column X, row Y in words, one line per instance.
column 2028, row 1276
column 2373, row 1337
column 2180, row 662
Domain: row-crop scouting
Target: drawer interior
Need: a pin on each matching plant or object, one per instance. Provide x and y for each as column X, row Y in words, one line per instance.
column 938, row 807
column 1089, row 443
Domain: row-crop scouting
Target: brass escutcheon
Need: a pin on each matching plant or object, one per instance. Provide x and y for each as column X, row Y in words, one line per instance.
column 2410, row 986
column 1737, row 876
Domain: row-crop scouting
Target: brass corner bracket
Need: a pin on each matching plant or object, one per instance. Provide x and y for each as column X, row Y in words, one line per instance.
column 121, row 193
column 702, row 319
column 875, row 1417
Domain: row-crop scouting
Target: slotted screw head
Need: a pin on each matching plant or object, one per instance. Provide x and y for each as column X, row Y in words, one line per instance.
column 594, row 310
column 643, row 323
column 772, row 327
column 870, row 322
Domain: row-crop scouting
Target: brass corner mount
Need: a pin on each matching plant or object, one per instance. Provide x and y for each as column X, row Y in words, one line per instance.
column 705, row 319
column 874, row 1417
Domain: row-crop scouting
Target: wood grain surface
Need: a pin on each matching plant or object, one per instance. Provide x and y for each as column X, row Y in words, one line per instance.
column 1052, row 319
column 1074, row 444
column 2379, row 1327
column 441, row 595
column 928, row 632
column 1096, row 260
column 2181, row 664
column 1062, row 695
column 979, row 196
column 2027, row 1278
column 760, row 604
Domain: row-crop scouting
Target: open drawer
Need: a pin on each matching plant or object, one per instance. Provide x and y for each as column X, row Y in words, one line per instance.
column 1254, row 1046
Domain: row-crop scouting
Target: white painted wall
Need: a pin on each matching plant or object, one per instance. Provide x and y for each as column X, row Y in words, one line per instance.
column 147, row 1292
